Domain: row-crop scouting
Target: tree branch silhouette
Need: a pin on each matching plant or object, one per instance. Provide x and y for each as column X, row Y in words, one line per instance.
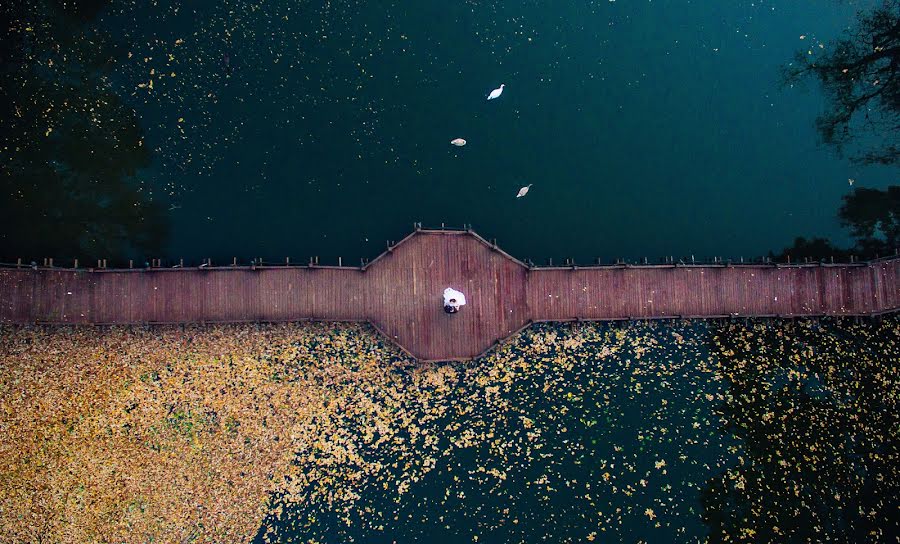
column 860, row 79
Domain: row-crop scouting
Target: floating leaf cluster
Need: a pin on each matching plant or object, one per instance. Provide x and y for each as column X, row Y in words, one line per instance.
column 688, row 431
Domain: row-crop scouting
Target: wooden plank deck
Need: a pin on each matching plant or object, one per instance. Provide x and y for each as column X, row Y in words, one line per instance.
column 400, row 293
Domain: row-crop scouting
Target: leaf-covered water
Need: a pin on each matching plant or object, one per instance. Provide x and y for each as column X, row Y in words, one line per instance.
column 645, row 433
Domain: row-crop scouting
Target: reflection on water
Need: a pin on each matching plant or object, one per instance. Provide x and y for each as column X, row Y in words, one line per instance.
column 873, row 218
column 860, row 74
column 72, row 150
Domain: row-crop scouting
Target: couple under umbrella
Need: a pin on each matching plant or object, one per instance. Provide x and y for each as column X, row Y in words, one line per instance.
column 453, row 299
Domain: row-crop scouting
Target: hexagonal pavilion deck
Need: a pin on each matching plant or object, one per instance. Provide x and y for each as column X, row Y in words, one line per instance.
column 400, row 293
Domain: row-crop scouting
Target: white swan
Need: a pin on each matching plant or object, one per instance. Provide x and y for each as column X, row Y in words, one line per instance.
column 496, row 92
column 524, row 191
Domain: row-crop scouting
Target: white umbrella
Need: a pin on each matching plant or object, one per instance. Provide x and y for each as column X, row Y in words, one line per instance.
column 454, row 298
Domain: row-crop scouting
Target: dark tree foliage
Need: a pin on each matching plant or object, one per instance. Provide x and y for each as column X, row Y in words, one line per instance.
column 859, row 75
column 873, row 219
column 813, row 249
column 70, row 149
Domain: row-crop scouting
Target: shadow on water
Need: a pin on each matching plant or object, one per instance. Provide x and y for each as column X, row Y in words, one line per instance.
column 815, row 407
column 859, row 73
column 72, row 150
column 860, row 77
column 873, row 218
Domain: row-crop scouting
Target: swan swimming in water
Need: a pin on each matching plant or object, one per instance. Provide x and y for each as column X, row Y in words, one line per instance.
column 496, row 92
column 524, row 190
column 458, row 142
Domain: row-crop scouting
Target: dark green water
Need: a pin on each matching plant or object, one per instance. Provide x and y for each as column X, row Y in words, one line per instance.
column 647, row 128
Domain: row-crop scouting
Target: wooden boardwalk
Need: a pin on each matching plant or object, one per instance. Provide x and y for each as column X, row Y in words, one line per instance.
column 400, row 293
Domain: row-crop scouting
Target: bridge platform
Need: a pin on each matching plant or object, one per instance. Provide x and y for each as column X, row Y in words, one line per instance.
column 400, row 293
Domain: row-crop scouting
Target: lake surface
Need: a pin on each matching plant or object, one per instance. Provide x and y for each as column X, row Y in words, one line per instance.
column 646, row 128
